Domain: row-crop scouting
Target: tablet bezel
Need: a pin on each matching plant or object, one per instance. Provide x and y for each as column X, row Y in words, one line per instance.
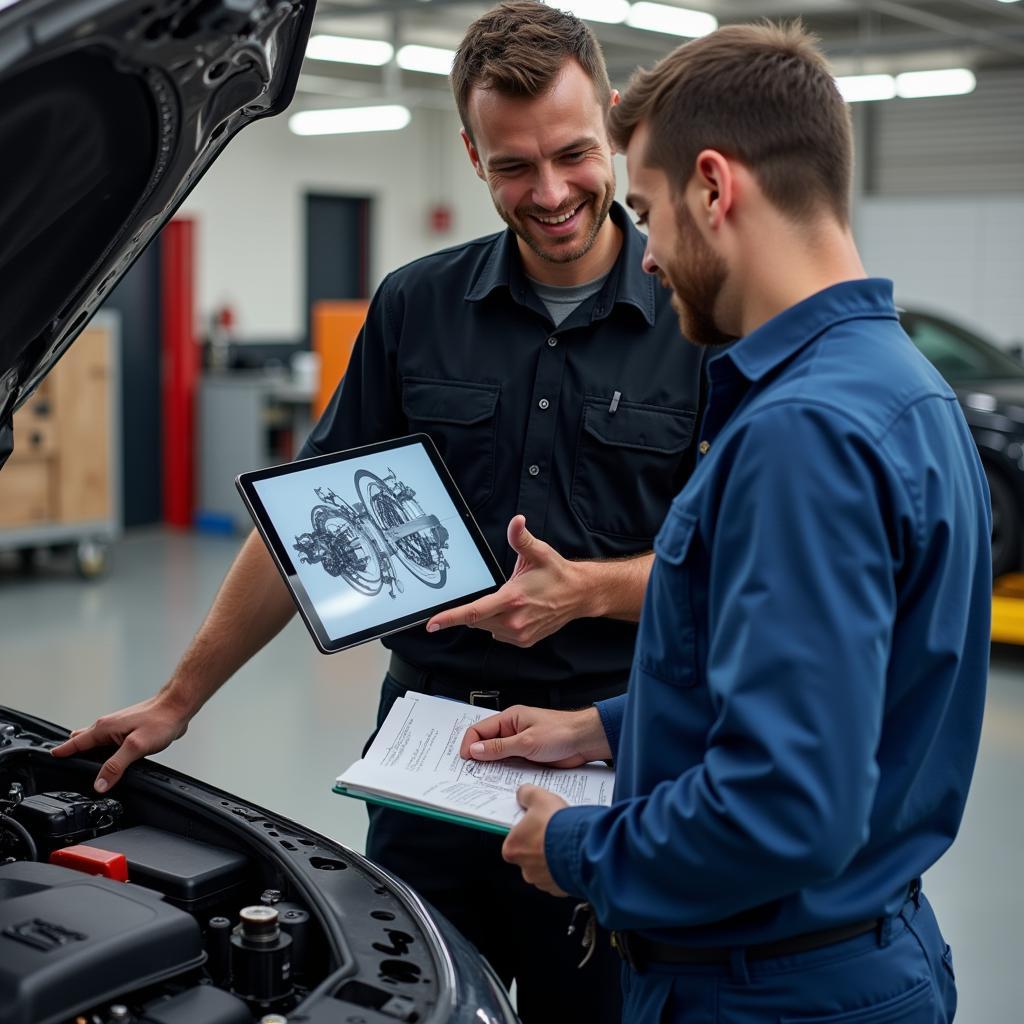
column 245, row 482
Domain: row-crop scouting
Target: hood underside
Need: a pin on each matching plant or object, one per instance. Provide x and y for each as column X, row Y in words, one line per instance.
column 110, row 112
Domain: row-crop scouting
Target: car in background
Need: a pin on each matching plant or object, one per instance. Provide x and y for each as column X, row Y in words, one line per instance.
column 174, row 903
column 989, row 384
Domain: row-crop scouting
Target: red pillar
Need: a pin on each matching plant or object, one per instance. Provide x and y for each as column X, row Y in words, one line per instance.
column 180, row 370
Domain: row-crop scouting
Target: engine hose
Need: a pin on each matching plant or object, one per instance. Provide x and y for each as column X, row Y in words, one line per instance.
column 23, row 834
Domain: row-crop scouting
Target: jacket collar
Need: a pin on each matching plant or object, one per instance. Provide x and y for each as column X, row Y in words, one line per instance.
column 627, row 282
column 779, row 339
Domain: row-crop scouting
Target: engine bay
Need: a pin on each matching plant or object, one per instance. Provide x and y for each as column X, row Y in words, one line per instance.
column 172, row 902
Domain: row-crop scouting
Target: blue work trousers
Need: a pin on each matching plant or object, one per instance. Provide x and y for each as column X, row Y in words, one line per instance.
column 900, row 974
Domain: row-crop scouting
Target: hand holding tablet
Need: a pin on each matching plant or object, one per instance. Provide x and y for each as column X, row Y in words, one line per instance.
column 371, row 540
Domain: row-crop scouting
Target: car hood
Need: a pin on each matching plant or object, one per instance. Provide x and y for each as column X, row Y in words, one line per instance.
column 110, row 112
column 374, row 941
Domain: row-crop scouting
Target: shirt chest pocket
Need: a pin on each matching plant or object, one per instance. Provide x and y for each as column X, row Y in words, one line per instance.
column 461, row 419
column 667, row 641
column 629, row 466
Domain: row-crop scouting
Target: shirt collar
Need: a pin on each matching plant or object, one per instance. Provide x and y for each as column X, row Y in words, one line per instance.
column 782, row 337
column 627, row 283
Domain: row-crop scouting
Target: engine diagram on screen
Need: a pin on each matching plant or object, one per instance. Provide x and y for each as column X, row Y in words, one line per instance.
column 372, row 540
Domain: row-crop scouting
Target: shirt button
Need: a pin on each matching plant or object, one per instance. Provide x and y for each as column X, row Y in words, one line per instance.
column 704, row 448
column 543, row 403
column 534, row 470
column 552, row 342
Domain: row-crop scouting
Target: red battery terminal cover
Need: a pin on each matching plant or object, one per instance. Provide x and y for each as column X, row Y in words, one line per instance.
column 92, row 861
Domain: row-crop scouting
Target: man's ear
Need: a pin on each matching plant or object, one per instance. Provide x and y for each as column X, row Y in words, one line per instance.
column 474, row 156
column 715, row 185
column 616, row 99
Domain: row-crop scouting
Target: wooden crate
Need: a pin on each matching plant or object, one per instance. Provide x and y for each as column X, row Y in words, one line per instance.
column 26, row 492
column 60, row 472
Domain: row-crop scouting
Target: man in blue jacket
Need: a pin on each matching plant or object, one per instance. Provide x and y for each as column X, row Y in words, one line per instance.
column 805, row 704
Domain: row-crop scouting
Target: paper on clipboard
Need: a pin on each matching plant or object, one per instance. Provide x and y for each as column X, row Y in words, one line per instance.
column 414, row 764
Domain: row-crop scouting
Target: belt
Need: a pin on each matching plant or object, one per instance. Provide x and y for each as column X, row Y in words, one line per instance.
column 638, row 952
column 575, row 695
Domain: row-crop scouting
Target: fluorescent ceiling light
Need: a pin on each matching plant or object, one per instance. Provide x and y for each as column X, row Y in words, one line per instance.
column 947, row 82
column 432, row 59
column 349, row 51
column 860, row 88
column 345, row 120
column 673, row 21
column 610, row 12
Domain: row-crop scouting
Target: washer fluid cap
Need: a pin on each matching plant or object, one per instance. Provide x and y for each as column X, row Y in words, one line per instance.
column 259, row 922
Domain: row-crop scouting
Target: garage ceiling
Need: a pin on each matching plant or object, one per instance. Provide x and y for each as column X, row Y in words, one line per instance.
column 860, row 36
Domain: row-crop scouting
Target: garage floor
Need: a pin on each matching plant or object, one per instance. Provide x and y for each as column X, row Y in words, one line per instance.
column 281, row 731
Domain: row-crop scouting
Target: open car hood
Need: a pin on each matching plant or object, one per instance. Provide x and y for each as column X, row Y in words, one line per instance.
column 363, row 947
column 110, row 112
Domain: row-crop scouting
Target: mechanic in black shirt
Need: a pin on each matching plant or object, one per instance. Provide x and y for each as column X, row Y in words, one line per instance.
column 549, row 369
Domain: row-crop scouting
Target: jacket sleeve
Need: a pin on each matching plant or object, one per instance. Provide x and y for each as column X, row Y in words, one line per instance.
column 611, row 712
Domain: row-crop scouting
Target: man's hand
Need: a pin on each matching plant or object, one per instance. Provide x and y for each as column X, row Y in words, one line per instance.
column 524, row 845
column 544, row 592
column 252, row 606
column 563, row 739
column 144, row 728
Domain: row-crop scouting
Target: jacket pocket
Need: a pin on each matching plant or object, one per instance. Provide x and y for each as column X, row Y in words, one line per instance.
column 628, row 466
column 461, row 419
column 667, row 641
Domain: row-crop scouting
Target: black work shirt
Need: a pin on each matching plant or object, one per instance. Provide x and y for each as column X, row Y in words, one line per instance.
column 457, row 345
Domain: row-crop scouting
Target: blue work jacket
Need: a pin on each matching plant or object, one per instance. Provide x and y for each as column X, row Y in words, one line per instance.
column 806, row 696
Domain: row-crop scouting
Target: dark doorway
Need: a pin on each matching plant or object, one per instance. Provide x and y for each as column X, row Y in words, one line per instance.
column 137, row 299
column 337, row 249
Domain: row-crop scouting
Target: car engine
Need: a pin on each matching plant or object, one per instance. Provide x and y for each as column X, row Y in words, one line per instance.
column 175, row 903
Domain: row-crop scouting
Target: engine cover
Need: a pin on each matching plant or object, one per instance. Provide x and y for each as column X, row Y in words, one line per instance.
column 69, row 941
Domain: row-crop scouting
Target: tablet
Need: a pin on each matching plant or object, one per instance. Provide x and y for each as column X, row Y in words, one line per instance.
column 371, row 540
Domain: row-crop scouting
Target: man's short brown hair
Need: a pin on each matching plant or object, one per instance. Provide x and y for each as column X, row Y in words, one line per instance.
column 762, row 94
column 518, row 49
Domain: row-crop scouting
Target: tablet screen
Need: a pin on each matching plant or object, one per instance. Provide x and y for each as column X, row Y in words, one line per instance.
column 371, row 540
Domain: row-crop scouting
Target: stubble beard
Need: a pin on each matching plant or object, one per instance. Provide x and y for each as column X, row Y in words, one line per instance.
column 519, row 223
column 696, row 276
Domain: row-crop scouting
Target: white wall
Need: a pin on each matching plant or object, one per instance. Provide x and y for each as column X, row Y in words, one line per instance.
column 945, row 217
column 956, row 255
column 961, row 255
column 250, row 210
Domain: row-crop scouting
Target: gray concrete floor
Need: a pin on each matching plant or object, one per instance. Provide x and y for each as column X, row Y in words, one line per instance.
column 280, row 732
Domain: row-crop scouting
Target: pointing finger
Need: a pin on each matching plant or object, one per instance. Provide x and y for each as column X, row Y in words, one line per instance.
column 472, row 614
